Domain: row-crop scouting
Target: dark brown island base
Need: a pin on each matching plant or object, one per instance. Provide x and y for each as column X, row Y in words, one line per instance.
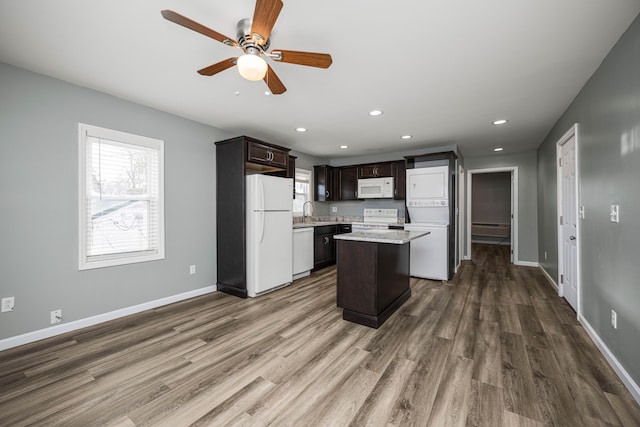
column 373, row 274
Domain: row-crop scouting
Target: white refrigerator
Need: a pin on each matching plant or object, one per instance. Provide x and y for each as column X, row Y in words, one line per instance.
column 269, row 233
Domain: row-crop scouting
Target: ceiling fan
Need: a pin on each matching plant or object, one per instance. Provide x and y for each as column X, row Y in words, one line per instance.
column 252, row 37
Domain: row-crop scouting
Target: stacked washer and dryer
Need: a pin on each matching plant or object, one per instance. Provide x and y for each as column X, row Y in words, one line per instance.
column 428, row 207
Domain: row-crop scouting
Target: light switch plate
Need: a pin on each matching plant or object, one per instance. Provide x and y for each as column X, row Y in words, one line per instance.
column 614, row 213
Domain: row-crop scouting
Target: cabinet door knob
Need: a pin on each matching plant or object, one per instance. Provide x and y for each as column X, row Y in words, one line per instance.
column 326, row 193
column 326, row 240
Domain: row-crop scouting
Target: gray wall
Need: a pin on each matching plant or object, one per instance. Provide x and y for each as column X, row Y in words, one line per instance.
column 39, row 203
column 527, row 197
column 491, row 197
column 608, row 112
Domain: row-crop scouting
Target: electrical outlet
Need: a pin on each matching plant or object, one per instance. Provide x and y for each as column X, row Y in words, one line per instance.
column 8, row 304
column 581, row 212
column 56, row 316
column 614, row 319
column 545, row 255
column 192, row 269
column 334, row 209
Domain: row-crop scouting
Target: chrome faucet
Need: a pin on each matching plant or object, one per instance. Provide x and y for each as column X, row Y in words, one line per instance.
column 304, row 212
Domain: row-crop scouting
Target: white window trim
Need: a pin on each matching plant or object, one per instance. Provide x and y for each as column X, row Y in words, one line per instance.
column 121, row 258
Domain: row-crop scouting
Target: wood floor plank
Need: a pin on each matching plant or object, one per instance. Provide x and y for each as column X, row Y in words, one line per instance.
column 340, row 408
column 465, row 337
column 532, row 329
column 487, row 362
column 517, row 377
column 627, row 412
column 414, row 405
column 226, row 412
column 451, row 405
column 494, row 346
column 323, row 388
column 557, row 406
column 377, row 410
column 486, row 405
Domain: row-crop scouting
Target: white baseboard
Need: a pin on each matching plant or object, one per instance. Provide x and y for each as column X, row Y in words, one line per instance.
column 550, row 279
column 613, row 361
column 63, row 328
column 527, row 263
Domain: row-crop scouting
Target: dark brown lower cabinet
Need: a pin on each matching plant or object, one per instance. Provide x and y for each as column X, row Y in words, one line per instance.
column 324, row 246
column 373, row 280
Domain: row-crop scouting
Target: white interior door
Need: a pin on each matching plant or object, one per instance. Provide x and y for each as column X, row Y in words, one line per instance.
column 568, row 266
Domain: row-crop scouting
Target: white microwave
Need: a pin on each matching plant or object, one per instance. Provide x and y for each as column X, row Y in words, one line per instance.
column 375, row 188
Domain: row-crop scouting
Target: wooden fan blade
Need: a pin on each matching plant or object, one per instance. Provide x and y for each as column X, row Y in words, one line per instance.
column 273, row 82
column 219, row 66
column 311, row 59
column 264, row 18
column 172, row 16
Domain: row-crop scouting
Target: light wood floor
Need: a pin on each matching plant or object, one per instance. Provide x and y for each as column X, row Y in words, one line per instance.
column 494, row 346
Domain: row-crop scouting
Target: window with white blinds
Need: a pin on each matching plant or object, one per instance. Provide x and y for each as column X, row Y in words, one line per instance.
column 302, row 190
column 121, row 198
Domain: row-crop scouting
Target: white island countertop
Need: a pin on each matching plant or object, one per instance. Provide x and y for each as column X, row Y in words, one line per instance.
column 397, row 237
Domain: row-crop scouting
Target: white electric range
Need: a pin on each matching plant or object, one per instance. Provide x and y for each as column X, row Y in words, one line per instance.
column 379, row 219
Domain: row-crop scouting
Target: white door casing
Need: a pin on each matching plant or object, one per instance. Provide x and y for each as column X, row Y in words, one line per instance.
column 568, row 222
column 512, row 222
column 461, row 216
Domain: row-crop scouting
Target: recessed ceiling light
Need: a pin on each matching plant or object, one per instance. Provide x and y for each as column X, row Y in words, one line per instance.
column 375, row 113
column 301, row 129
column 406, row 136
column 236, row 93
column 266, row 92
column 500, row 122
column 344, row 146
column 498, row 149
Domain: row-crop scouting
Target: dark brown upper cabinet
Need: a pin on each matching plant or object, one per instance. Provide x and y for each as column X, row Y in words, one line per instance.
column 399, row 180
column 267, row 154
column 375, row 170
column 324, row 183
column 348, row 183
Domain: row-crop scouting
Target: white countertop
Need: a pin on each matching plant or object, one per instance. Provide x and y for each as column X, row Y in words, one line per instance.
column 397, row 237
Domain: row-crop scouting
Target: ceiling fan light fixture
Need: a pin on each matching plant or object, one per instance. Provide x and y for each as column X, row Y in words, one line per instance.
column 252, row 67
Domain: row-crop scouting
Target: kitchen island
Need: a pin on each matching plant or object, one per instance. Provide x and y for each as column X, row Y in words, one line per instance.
column 373, row 274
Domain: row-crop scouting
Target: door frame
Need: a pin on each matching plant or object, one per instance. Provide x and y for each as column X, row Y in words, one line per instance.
column 460, row 212
column 514, row 204
column 572, row 132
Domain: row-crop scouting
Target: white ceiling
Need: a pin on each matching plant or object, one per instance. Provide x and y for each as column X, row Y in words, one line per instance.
column 441, row 70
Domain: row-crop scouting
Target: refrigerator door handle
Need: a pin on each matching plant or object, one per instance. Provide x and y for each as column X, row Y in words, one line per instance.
column 261, row 216
column 260, row 195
